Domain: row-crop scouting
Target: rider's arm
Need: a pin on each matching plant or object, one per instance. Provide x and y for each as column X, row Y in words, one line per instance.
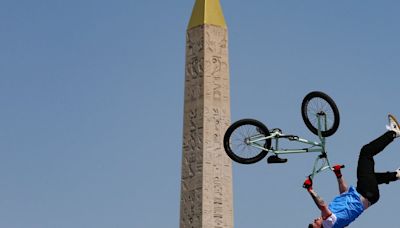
column 341, row 182
column 325, row 212
column 342, row 185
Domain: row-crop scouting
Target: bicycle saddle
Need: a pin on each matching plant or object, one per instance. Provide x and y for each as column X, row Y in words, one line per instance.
column 276, row 159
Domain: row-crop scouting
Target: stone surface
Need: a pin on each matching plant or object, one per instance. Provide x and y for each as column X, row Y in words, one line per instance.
column 206, row 184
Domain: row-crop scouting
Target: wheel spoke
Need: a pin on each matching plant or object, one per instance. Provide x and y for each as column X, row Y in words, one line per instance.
column 317, row 105
column 238, row 141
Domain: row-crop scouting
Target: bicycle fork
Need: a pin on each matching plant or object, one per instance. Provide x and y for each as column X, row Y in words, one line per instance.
column 323, row 156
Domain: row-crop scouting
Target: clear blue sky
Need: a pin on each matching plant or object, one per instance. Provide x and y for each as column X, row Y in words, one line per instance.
column 91, row 97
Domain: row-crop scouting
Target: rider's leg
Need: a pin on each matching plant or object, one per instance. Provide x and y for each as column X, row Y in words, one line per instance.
column 386, row 177
column 367, row 182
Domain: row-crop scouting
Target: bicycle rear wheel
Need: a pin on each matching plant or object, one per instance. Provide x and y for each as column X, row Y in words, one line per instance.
column 315, row 106
column 243, row 139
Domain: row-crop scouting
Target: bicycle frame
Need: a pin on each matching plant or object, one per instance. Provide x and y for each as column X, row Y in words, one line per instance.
column 317, row 147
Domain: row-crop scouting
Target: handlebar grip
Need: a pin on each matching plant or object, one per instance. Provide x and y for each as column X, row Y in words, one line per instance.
column 341, row 166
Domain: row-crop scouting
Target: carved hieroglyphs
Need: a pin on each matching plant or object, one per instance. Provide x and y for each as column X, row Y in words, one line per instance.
column 206, row 185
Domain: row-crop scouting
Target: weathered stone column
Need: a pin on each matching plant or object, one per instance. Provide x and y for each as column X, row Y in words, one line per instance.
column 206, row 186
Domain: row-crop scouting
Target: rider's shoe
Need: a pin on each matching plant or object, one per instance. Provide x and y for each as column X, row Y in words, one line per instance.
column 398, row 173
column 393, row 125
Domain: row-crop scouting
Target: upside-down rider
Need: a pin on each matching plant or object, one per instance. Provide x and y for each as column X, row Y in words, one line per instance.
column 352, row 201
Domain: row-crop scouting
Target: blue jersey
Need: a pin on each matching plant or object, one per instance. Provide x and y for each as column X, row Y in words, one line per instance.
column 346, row 207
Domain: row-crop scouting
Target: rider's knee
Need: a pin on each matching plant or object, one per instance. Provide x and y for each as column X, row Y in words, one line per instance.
column 366, row 151
column 372, row 197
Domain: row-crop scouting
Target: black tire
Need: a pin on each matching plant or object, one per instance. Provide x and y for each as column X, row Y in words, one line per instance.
column 319, row 102
column 235, row 145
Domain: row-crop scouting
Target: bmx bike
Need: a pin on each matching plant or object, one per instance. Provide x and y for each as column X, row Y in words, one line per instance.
column 248, row 141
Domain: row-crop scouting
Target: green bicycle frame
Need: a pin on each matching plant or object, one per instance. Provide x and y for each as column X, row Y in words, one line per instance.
column 318, row 147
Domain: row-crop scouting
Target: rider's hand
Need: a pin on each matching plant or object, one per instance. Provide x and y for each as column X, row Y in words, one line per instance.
column 308, row 184
column 336, row 169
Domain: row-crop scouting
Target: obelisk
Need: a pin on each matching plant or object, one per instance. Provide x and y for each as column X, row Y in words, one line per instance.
column 206, row 184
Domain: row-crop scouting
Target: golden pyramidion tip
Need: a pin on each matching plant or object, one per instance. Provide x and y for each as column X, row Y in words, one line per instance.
column 207, row 12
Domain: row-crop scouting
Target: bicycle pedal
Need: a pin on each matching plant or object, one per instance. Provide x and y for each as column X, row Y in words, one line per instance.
column 276, row 159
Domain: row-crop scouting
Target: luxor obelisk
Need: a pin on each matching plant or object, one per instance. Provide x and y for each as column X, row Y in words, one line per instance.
column 206, row 184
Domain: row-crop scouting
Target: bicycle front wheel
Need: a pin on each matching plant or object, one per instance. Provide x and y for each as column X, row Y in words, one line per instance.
column 320, row 112
column 245, row 139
